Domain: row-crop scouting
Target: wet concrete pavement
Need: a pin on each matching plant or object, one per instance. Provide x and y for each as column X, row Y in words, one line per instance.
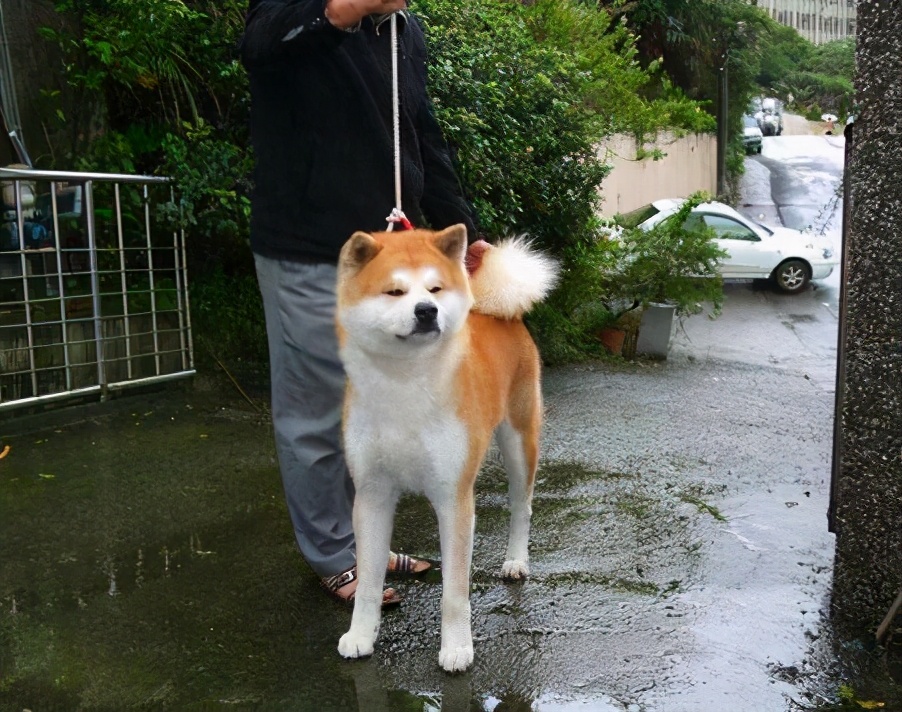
column 680, row 554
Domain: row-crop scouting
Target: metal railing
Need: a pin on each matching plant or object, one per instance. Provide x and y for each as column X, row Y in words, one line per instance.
column 93, row 285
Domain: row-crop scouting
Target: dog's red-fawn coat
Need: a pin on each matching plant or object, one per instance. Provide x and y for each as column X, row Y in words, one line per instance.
column 482, row 372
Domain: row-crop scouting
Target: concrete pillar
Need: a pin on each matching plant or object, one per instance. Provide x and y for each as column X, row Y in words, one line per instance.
column 867, row 501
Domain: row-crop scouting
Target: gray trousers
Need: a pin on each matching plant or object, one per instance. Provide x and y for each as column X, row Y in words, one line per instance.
column 308, row 383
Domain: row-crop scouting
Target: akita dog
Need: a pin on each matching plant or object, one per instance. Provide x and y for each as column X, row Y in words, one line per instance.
column 437, row 361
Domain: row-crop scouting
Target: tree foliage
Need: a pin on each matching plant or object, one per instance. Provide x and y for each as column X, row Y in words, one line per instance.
column 823, row 79
column 154, row 62
column 523, row 93
column 782, row 51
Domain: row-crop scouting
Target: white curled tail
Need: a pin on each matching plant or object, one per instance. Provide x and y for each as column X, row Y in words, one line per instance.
column 512, row 278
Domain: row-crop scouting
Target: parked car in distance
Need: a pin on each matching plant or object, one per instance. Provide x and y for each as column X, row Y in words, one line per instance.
column 790, row 258
column 751, row 135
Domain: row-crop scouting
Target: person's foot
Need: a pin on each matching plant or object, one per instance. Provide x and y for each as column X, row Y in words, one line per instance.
column 342, row 588
column 404, row 565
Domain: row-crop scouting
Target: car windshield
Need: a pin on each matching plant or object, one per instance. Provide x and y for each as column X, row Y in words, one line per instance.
column 763, row 227
column 636, row 217
column 749, row 122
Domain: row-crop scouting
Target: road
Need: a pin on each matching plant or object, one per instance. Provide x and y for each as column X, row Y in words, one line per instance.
column 795, row 182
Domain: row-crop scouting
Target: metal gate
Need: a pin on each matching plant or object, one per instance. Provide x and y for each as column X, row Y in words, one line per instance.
column 93, row 285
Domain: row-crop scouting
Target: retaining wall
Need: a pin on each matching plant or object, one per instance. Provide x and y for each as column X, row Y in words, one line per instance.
column 690, row 165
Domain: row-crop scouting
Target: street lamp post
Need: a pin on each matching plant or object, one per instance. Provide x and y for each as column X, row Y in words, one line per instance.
column 723, row 122
column 723, row 108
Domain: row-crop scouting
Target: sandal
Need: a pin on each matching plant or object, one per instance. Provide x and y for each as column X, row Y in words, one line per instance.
column 333, row 584
column 400, row 564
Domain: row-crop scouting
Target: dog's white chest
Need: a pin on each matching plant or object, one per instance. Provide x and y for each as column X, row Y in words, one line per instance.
column 404, row 437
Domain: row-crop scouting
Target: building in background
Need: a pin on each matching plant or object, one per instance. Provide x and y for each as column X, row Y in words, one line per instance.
column 818, row 21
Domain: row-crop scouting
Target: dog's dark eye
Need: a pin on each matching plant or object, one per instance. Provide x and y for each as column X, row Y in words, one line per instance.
column 395, row 292
column 435, row 290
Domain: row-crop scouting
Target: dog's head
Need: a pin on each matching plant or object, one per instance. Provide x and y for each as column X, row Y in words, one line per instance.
column 402, row 292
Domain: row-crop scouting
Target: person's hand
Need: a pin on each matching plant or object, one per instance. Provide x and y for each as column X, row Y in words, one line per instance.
column 347, row 13
column 475, row 253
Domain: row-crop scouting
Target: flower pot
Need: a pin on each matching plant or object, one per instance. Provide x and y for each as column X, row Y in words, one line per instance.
column 612, row 339
column 655, row 331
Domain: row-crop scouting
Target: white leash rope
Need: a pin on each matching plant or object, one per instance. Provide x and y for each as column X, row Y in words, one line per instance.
column 397, row 215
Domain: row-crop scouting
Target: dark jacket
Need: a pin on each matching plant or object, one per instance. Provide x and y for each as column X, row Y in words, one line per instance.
column 322, row 131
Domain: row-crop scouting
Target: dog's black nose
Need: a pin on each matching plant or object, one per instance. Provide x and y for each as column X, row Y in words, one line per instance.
column 425, row 313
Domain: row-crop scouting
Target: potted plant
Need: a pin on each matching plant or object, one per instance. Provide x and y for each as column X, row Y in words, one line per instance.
column 665, row 271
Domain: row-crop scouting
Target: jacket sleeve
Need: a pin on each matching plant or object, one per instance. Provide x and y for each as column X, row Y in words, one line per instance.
column 274, row 29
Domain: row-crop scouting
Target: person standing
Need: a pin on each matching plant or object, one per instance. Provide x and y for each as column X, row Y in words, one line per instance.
column 322, row 130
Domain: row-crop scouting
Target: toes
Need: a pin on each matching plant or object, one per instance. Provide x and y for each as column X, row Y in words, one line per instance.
column 514, row 570
column 456, row 659
column 390, row 598
column 352, row 646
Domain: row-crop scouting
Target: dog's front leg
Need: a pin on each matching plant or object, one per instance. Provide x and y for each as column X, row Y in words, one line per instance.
column 456, row 519
column 374, row 509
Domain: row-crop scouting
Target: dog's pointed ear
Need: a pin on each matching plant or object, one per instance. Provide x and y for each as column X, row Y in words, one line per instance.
column 360, row 249
column 452, row 242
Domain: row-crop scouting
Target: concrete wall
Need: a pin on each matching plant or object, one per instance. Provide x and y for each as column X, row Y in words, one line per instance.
column 689, row 166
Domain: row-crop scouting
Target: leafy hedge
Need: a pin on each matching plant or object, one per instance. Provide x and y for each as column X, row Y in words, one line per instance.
column 515, row 117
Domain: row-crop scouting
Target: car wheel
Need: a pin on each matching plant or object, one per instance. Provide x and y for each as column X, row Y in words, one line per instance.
column 792, row 276
column 759, row 149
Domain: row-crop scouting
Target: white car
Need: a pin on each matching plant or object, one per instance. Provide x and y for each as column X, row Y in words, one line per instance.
column 751, row 135
column 791, row 258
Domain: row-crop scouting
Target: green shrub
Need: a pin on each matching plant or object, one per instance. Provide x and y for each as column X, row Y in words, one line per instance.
column 512, row 109
column 212, row 177
column 227, row 317
column 822, row 80
column 673, row 262
column 819, row 91
column 814, row 112
column 566, row 325
column 523, row 93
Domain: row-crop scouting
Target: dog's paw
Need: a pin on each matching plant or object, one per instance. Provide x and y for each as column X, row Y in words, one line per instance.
column 514, row 570
column 351, row 645
column 455, row 659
